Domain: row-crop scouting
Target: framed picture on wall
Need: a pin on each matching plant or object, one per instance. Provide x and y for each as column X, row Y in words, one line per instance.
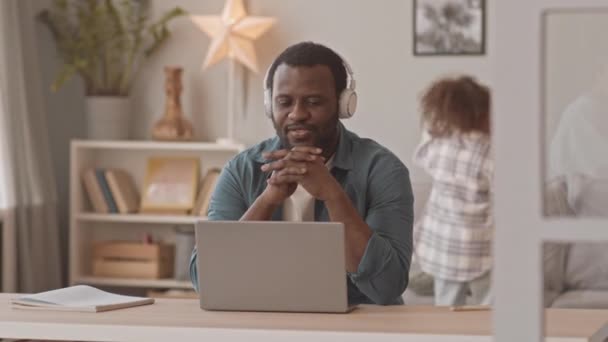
column 449, row 27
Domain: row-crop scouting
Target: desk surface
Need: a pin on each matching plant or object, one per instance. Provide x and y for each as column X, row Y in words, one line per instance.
column 183, row 319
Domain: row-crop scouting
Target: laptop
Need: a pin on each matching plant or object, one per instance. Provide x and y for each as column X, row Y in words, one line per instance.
column 271, row 266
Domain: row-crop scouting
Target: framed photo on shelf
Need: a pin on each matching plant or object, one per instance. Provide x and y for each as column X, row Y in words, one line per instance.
column 170, row 185
column 449, row 27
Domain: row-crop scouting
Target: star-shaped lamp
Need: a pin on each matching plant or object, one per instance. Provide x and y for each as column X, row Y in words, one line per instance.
column 233, row 34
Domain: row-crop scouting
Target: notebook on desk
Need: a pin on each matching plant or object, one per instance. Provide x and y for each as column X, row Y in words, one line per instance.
column 80, row 298
column 272, row 266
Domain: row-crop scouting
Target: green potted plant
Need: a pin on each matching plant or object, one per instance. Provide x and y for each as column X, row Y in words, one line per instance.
column 104, row 41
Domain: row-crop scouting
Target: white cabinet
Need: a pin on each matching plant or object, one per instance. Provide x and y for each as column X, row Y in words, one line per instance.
column 86, row 226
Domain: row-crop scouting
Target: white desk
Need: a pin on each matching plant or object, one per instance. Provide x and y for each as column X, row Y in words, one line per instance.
column 181, row 319
column 9, row 251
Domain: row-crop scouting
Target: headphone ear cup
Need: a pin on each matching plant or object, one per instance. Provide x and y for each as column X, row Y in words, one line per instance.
column 268, row 102
column 348, row 103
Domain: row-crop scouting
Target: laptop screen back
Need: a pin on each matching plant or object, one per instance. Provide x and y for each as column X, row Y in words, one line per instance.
column 271, row 266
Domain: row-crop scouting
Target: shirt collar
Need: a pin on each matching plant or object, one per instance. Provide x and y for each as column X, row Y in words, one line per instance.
column 342, row 157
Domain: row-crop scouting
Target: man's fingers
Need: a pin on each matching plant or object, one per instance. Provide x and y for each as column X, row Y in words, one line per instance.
column 279, row 179
column 274, row 155
column 307, row 149
column 282, row 164
column 278, row 154
column 277, row 165
column 293, row 170
column 287, row 175
column 303, row 156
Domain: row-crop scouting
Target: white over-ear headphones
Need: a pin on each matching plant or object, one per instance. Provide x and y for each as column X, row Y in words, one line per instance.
column 347, row 101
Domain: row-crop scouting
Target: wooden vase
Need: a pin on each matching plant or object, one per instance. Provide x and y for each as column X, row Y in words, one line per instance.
column 173, row 126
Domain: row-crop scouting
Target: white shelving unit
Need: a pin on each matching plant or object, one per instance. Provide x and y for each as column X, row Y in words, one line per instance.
column 87, row 226
column 137, row 218
column 521, row 227
column 147, row 283
column 9, row 251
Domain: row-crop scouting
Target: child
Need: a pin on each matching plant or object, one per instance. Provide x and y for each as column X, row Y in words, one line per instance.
column 453, row 237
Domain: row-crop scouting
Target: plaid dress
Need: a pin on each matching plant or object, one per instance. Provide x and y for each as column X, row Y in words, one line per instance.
column 453, row 237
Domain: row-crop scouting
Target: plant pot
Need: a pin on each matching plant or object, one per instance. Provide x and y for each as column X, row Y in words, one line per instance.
column 108, row 117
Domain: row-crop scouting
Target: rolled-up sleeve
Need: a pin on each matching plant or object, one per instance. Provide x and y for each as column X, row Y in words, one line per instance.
column 227, row 204
column 382, row 274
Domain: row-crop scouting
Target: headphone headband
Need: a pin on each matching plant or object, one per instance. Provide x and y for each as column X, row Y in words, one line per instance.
column 350, row 76
column 347, row 99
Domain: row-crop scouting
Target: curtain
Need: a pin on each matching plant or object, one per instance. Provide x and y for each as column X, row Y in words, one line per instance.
column 27, row 182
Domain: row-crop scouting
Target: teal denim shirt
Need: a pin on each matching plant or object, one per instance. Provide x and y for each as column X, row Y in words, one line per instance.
column 378, row 186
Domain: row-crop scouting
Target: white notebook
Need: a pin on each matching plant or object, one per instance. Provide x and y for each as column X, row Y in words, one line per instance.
column 78, row 298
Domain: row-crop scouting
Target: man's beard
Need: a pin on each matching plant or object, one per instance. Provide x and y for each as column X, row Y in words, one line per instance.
column 322, row 141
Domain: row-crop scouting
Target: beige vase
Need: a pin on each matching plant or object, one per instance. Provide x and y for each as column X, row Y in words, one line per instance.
column 173, row 126
column 107, row 117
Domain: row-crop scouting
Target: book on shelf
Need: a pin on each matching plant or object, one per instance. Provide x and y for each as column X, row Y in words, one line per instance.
column 82, row 298
column 123, row 190
column 203, row 198
column 94, row 191
column 105, row 190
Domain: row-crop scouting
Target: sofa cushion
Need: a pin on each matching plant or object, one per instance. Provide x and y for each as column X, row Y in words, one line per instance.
column 587, row 266
column 549, row 297
column 554, row 254
column 412, row 298
column 556, row 198
column 581, row 299
column 554, row 266
column 421, row 283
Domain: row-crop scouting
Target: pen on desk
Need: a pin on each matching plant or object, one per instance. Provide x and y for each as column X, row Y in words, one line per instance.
column 470, row 308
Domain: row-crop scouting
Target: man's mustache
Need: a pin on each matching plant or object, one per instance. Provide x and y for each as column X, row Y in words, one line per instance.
column 294, row 127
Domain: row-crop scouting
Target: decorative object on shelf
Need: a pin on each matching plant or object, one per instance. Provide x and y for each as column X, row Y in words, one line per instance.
column 107, row 117
column 104, row 42
column 131, row 259
column 449, row 27
column 232, row 36
column 173, row 126
column 170, row 185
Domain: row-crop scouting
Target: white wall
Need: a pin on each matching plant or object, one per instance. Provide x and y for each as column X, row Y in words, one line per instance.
column 374, row 36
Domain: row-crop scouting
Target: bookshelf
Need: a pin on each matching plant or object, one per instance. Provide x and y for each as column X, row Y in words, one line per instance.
column 139, row 218
column 87, row 226
column 142, row 283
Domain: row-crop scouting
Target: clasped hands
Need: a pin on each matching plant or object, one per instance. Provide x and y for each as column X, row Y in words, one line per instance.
column 302, row 165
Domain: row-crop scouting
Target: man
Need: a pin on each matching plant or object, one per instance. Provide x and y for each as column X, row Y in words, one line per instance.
column 315, row 169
